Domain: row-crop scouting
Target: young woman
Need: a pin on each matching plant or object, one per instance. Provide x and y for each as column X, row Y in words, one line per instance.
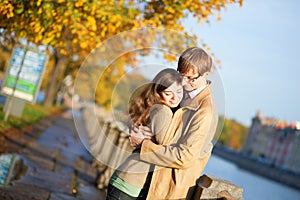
column 152, row 108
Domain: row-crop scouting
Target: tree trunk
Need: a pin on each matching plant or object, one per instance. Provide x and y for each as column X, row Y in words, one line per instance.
column 56, row 79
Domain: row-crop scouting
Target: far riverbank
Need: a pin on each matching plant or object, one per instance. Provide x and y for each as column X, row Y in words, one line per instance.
column 255, row 166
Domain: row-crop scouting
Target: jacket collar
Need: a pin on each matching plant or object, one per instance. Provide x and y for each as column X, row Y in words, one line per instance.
column 196, row 102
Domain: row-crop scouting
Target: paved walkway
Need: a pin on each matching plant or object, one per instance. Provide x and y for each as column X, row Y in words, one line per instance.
column 57, row 165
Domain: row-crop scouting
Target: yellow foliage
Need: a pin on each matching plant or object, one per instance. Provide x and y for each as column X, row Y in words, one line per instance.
column 77, row 27
column 92, row 22
column 170, row 57
column 83, row 44
column 40, row 11
column 38, row 3
column 49, row 39
column 78, row 3
column 75, row 40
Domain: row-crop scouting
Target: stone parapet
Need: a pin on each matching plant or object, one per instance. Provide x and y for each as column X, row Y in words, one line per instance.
column 210, row 187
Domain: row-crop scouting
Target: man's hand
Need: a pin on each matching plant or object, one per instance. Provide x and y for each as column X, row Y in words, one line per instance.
column 138, row 134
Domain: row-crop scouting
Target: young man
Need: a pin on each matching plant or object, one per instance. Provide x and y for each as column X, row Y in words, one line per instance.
column 181, row 159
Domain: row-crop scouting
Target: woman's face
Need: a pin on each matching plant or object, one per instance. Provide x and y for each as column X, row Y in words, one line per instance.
column 173, row 95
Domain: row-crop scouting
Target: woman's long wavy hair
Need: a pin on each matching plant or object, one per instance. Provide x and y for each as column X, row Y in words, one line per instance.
column 140, row 104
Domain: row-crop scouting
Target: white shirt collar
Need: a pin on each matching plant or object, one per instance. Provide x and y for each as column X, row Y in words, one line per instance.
column 197, row 91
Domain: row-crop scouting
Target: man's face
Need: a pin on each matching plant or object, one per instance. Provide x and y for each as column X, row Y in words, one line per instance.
column 192, row 80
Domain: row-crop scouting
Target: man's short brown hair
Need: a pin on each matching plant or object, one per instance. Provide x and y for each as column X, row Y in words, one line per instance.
column 194, row 58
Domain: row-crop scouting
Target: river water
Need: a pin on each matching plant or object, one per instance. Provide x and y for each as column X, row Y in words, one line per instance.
column 254, row 187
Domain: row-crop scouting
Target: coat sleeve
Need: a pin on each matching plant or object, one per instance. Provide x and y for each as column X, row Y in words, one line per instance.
column 160, row 120
column 193, row 145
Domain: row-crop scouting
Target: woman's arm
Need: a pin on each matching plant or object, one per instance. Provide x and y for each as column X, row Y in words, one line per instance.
column 160, row 120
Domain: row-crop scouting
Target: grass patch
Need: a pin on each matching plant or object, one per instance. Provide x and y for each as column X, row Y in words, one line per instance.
column 32, row 114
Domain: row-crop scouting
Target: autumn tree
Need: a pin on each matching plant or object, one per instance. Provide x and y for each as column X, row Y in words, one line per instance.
column 233, row 134
column 73, row 28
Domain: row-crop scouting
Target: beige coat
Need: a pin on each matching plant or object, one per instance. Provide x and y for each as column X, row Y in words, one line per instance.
column 135, row 171
column 181, row 163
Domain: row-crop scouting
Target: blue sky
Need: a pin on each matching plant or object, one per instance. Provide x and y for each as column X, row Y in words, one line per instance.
column 258, row 45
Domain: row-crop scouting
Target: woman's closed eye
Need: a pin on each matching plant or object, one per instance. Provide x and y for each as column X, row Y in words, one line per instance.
column 168, row 93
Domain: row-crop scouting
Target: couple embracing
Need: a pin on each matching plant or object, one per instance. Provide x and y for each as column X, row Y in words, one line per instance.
column 174, row 120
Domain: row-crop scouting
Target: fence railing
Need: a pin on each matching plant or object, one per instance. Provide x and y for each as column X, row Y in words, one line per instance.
column 108, row 143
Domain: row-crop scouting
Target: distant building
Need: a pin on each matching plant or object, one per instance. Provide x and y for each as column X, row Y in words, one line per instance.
column 275, row 142
column 292, row 160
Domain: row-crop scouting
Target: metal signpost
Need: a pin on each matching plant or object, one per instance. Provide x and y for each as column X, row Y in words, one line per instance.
column 23, row 79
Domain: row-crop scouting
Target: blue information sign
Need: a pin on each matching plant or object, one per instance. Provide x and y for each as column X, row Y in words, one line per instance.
column 26, row 69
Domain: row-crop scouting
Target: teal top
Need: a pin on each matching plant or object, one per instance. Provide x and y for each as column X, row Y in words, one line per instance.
column 126, row 187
